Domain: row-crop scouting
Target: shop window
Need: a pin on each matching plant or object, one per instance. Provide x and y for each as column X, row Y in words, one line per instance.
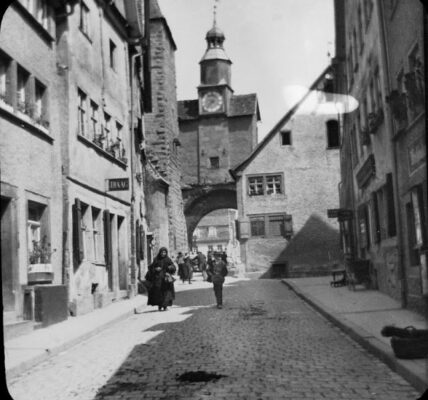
column 286, row 138
column 84, row 19
column 38, row 237
column 333, row 139
column 255, row 185
column 214, row 162
column 82, row 112
column 5, row 81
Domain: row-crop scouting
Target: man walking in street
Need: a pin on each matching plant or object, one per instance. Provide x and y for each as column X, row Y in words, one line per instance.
column 216, row 274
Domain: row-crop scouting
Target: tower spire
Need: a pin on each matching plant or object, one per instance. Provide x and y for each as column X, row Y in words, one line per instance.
column 215, row 13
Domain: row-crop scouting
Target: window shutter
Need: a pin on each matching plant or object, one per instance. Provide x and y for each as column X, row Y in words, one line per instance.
column 237, row 229
column 77, row 232
column 390, row 206
column 137, row 240
column 142, row 237
column 288, row 226
column 375, row 208
column 107, row 239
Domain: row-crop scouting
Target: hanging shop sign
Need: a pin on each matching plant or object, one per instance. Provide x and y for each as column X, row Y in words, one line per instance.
column 118, row 184
column 341, row 213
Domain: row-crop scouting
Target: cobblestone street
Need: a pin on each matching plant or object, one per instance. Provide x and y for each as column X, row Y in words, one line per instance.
column 266, row 343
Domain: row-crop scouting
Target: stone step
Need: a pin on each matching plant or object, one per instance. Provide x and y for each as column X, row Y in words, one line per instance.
column 19, row 328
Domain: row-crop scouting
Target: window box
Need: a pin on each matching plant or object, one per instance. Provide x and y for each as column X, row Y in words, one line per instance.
column 375, row 120
column 40, row 273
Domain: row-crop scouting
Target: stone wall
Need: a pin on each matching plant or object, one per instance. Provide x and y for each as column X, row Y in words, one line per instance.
column 162, row 128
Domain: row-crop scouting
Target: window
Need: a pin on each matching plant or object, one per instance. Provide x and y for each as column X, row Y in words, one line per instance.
column 414, row 82
column 268, row 184
column 333, row 140
column 97, row 235
column 81, row 108
column 257, row 225
column 276, row 225
column 364, row 228
column 210, row 247
column 5, row 92
column 40, row 106
column 107, row 127
column 286, row 138
column 376, row 217
column 219, row 247
column 255, row 186
column 418, row 216
column 273, row 184
column 42, row 13
column 94, row 128
column 214, row 162
column 411, row 236
column 112, row 55
column 23, row 98
column 273, row 225
column 39, row 250
column 84, row 18
column 212, row 231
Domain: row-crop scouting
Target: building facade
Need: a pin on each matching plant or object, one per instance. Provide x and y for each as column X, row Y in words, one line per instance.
column 284, row 189
column 383, row 155
column 30, row 127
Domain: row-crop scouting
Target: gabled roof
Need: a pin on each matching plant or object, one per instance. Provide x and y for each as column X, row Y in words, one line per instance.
column 279, row 124
column 244, row 104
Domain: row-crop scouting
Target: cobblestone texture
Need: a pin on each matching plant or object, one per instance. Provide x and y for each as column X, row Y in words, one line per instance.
column 267, row 342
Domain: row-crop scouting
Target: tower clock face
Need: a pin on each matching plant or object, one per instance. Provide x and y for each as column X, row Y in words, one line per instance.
column 212, row 101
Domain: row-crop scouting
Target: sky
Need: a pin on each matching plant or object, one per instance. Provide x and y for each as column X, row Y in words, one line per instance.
column 273, row 45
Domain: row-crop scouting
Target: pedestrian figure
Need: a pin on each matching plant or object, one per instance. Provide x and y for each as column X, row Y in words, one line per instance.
column 202, row 262
column 161, row 292
column 181, row 266
column 216, row 273
column 188, row 269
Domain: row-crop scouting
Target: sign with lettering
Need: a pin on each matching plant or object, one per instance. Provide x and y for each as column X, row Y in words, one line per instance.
column 341, row 213
column 118, row 184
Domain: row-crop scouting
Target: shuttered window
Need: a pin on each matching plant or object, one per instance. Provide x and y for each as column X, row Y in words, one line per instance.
column 257, row 226
column 5, row 89
column 276, row 225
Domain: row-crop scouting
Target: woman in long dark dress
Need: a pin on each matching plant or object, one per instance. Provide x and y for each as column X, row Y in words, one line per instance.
column 160, row 273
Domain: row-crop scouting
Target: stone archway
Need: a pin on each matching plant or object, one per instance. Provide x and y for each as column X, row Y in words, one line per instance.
column 201, row 200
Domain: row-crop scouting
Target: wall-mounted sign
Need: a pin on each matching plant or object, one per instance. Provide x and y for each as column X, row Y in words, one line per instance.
column 341, row 213
column 118, row 184
column 416, row 153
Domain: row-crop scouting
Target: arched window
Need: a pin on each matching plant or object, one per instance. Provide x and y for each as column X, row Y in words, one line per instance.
column 333, row 140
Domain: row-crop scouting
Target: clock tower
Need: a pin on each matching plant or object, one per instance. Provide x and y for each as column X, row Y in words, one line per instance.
column 215, row 90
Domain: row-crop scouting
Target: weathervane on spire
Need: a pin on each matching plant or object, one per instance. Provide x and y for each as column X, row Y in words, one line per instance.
column 215, row 12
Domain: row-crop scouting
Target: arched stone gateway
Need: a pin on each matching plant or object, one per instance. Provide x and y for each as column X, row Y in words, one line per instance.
column 201, row 200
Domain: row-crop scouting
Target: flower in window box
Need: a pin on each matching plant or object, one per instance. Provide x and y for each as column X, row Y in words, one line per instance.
column 99, row 140
column 41, row 253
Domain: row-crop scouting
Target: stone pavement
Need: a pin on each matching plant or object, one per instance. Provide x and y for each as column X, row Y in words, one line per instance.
column 266, row 343
column 362, row 314
column 27, row 350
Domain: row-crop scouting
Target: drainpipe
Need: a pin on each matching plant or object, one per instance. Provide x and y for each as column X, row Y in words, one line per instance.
column 400, row 245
